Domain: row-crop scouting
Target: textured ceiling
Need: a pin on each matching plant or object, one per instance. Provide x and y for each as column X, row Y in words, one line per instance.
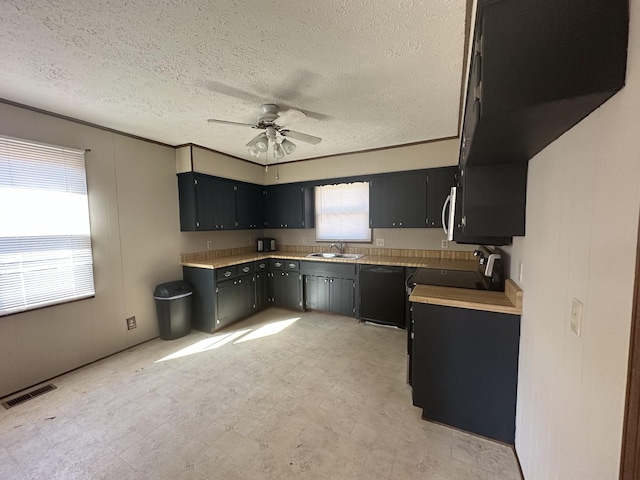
column 369, row 73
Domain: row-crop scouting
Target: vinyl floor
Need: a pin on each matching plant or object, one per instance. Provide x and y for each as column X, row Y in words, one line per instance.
column 282, row 395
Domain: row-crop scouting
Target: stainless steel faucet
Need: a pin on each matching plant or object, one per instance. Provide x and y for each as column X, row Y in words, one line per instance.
column 338, row 246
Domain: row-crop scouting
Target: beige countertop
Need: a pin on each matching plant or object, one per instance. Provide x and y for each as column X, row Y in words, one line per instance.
column 509, row 301
column 420, row 262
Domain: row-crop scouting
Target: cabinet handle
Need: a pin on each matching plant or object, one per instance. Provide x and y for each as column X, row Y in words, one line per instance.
column 400, row 224
column 262, row 265
column 227, row 274
column 278, row 264
column 245, row 269
column 292, row 265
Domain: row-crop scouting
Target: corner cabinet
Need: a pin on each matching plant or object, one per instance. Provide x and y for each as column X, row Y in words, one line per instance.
column 214, row 203
column 537, row 69
column 289, row 206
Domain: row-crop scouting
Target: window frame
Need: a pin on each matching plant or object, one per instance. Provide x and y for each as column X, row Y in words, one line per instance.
column 53, row 261
column 318, row 195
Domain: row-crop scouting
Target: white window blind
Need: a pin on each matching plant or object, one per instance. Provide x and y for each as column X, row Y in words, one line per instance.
column 45, row 241
column 342, row 212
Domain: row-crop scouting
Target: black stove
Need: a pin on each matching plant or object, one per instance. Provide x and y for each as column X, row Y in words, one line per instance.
column 450, row 278
column 489, row 274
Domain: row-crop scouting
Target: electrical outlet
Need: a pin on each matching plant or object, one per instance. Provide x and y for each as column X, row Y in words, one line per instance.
column 304, row 240
column 576, row 316
column 379, row 242
column 131, row 323
column 209, row 244
column 445, row 243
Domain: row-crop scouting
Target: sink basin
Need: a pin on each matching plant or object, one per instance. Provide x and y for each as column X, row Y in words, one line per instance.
column 350, row 256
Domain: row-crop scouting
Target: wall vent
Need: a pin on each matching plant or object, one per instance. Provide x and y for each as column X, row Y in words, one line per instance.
column 28, row 396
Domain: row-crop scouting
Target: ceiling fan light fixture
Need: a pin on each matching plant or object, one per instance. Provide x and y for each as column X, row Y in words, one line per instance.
column 254, row 151
column 262, row 144
column 288, row 146
column 278, row 153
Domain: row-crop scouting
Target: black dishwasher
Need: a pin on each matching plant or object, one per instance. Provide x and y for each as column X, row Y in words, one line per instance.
column 382, row 295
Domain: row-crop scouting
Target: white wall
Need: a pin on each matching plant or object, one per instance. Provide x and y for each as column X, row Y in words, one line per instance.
column 582, row 220
column 136, row 244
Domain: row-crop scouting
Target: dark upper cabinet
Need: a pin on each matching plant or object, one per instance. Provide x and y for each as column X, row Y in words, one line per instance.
column 537, row 69
column 250, row 205
column 398, row 200
column 490, row 204
column 439, row 183
column 214, row 203
column 221, row 205
column 289, row 206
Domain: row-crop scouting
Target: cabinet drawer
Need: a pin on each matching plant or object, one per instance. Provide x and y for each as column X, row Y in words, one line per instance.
column 226, row 272
column 261, row 265
column 245, row 268
column 329, row 269
column 278, row 264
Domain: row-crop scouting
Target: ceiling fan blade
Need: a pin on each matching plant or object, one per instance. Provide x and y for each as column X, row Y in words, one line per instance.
column 225, row 122
column 290, row 116
column 303, row 137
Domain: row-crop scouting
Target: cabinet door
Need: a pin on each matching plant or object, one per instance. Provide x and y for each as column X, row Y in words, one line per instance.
column 262, row 290
column 289, row 206
column 250, row 206
column 465, row 368
column 187, row 202
column 227, row 304
column 316, row 292
column 223, row 203
column 381, row 198
column 398, row 200
column 494, row 200
column 207, row 192
column 203, row 300
column 342, row 296
column 287, row 290
column 246, row 296
column 439, row 183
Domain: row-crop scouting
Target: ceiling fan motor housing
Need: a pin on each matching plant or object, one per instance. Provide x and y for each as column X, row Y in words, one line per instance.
column 269, row 115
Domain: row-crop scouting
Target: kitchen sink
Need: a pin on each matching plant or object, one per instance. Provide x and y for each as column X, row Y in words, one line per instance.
column 349, row 256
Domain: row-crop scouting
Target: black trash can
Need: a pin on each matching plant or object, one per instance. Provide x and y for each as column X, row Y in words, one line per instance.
column 173, row 304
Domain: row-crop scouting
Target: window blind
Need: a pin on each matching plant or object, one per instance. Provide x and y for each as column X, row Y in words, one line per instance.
column 342, row 212
column 45, row 239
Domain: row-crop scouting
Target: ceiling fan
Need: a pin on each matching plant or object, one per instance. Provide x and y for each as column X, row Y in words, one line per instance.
column 273, row 123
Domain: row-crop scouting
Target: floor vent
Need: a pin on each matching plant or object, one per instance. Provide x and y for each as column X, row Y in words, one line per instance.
column 28, row 396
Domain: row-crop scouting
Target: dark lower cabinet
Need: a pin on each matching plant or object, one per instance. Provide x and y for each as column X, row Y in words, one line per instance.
column 235, row 299
column 262, row 290
column 464, row 368
column 316, row 292
column 342, row 296
column 329, row 294
column 286, row 289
